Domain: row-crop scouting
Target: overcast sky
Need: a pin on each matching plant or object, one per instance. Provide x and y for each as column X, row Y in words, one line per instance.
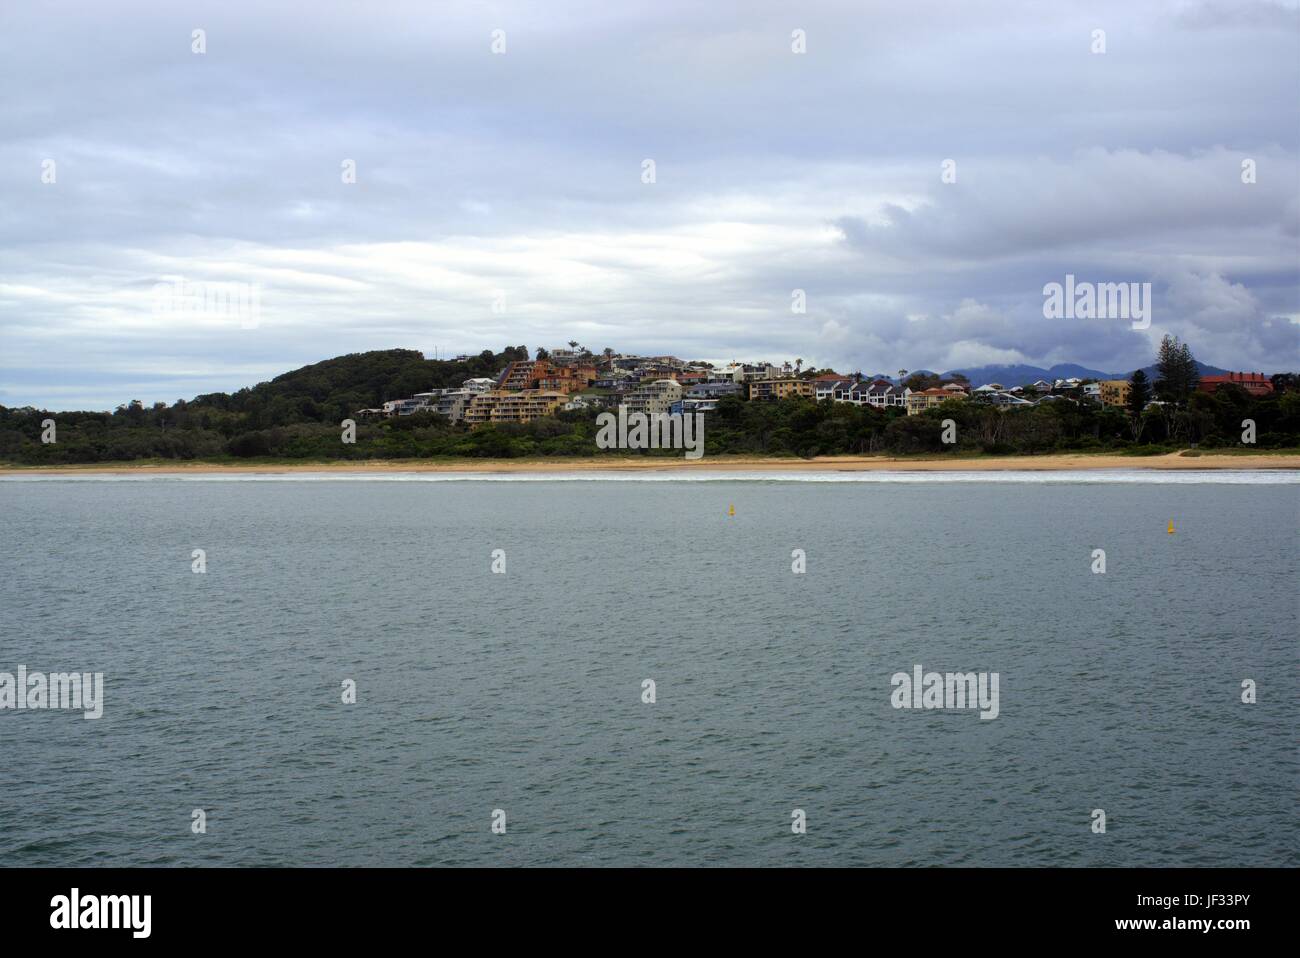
column 518, row 178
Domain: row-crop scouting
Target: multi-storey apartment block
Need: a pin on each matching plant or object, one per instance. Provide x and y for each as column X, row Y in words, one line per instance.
column 1256, row 384
column 654, row 398
column 522, row 373
column 452, row 403
column 517, row 406
column 919, row 402
column 715, row 390
column 1114, row 392
column 765, row 389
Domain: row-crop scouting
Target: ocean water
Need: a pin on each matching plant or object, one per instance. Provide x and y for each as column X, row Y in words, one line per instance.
column 522, row 691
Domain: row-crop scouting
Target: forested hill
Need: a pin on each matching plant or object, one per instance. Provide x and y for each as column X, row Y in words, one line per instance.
column 297, row 416
column 335, row 389
column 294, row 414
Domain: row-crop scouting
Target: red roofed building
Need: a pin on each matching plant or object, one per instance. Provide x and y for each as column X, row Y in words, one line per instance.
column 1257, row 384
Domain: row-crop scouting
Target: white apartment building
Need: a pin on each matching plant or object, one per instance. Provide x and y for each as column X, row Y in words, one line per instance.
column 654, row 398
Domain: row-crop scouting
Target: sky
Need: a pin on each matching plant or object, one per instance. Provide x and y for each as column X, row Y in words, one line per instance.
column 920, row 172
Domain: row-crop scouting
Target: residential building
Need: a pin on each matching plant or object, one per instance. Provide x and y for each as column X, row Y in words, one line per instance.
column 919, row 402
column 1006, row 398
column 882, row 394
column 715, row 390
column 512, row 406
column 521, row 373
column 452, row 403
column 584, row 372
column 825, row 388
column 779, row 388
column 690, row 406
column 843, row 391
column 752, row 373
column 404, row 407
column 860, row 393
column 669, row 362
column 649, row 372
column 653, row 398
column 557, row 383
column 1256, row 384
column 731, row 372
column 1114, row 392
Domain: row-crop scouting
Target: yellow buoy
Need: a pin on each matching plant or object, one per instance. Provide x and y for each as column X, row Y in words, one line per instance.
column 732, row 511
column 1171, row 526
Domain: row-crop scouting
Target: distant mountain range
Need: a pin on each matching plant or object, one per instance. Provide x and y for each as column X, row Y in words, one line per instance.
column 1022, row 375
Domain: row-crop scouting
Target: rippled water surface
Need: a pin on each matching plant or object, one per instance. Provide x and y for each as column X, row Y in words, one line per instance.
column 522, row 691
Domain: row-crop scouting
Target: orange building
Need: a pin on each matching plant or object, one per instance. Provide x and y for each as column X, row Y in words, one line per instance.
column 919, row 402
column 517, row 406
column 1257, row 384
column 543, row 374
column 522, row 373
column 780, row 388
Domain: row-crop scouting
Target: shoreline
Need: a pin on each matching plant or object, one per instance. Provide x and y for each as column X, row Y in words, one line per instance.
column 1046, row 463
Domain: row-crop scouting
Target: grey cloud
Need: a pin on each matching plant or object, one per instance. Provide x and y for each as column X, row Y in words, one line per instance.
column 520, row 173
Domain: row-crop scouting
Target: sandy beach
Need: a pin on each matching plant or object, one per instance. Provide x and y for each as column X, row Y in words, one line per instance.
column 1076, row 461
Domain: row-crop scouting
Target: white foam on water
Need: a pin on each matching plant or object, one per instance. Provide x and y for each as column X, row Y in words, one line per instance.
column 1266, row 477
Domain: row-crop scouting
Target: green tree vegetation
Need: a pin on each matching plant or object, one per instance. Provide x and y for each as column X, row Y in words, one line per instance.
column 1177, row 374
column 1139, row 394
column 297, row 416
column 921, row 381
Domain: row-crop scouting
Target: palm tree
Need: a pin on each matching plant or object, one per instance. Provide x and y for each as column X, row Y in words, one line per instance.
column 798, row 365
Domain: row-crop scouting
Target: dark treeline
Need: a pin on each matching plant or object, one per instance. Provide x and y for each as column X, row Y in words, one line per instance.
column 298, row 416
column 805, row 428
column 291, row 416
